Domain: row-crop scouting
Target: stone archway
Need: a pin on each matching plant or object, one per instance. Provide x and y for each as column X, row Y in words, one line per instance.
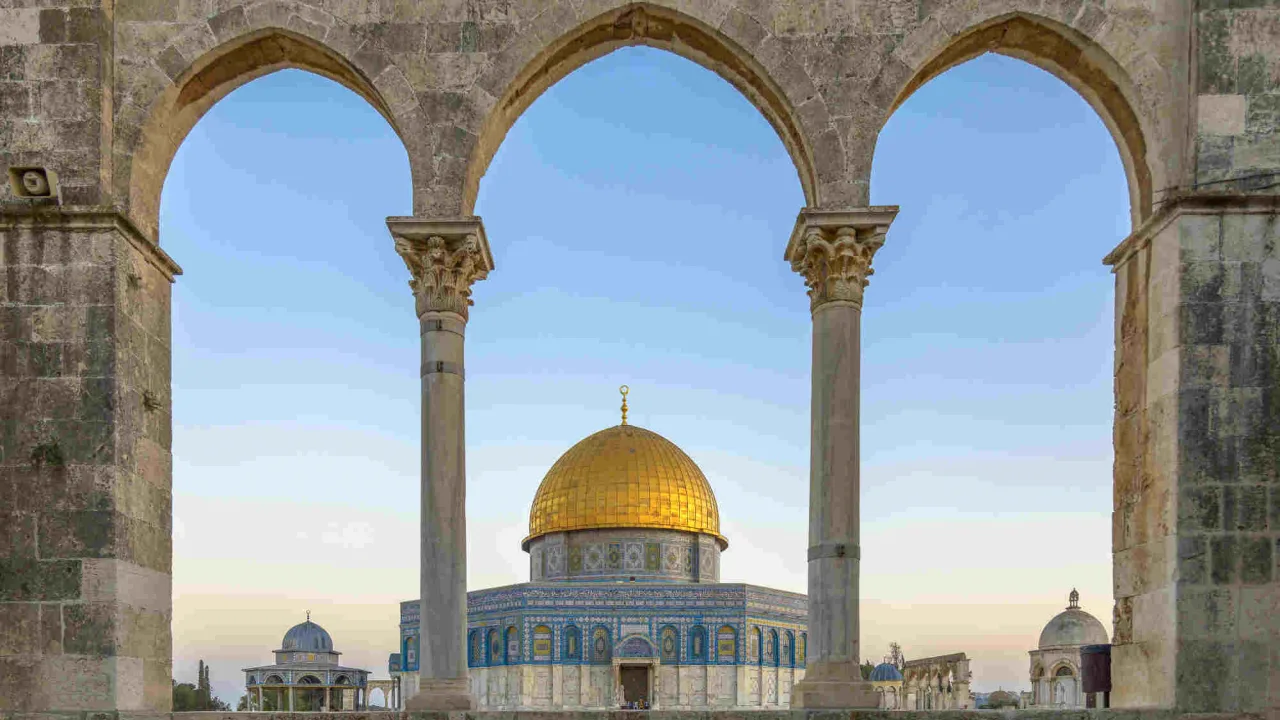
column 519, row 77
column 1066, row 53
column 1194, row 400
column 203, row 64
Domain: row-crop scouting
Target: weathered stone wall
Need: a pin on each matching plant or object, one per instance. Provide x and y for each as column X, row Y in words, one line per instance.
column 451, row 77
column 1196, row 523
column 55, row 61
column 85, row 538
column 1238, row 89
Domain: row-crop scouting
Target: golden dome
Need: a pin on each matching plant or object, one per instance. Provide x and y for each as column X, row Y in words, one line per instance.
column 624, row 477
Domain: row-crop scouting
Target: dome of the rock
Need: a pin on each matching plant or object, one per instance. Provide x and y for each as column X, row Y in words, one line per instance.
column 624, row 477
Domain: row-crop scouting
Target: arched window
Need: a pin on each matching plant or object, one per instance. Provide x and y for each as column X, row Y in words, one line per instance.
column 475, row 656
column 726, row 644
column 1064, row 671
column 754, row 647
column 572, row 643
column 698, row 644
column 495, row 647
column 771, row 651
column 542, row 644
column 513, row 645
column 669, row 645
column 802, row 643
column 788, row 649
column 411, row 652
column 601, row 649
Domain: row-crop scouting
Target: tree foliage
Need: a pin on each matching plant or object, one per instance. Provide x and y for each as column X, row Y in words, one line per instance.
column 188, row 697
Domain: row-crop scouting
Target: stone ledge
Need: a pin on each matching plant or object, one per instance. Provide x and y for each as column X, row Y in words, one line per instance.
column 1190, row 203
column 1112, row 714
column 88, row 219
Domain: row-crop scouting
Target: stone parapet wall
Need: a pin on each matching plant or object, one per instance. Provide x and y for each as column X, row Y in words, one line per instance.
column 668, row 715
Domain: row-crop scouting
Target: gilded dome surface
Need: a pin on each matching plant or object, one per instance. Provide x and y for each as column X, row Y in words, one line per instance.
column 624, row 477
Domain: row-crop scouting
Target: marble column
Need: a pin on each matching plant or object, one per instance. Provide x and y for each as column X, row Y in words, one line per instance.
column 832, row 250
column 444, row 256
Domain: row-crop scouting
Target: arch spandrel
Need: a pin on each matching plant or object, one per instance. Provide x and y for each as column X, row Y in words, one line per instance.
column 1096, row 52
column 169, row 86
column 716, row 35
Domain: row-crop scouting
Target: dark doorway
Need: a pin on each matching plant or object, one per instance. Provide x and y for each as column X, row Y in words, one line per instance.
column 635, row 684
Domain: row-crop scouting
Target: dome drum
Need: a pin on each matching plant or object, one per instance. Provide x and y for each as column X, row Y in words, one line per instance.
column 625, row 555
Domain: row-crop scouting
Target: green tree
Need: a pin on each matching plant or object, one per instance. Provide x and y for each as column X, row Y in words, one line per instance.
column 184, row 697
column 188, row 697
column 866, row 667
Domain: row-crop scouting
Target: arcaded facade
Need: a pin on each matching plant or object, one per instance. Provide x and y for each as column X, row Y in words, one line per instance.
column 624, row 607
column 96, row 97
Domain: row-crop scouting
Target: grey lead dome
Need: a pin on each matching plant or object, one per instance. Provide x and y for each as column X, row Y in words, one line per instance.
column 307, row 636
column 1073, row 626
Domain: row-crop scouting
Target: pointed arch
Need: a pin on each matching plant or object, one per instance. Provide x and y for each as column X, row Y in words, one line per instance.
column 519, row 76
column 1063, row 51
column 201, row 66
column 514, row 652
column 572, row 651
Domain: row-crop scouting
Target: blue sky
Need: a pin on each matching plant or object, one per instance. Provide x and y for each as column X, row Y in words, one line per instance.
column 637, row 214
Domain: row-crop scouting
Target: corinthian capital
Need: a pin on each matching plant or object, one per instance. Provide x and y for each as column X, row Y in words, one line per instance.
column 444, row 256
column 832, row 249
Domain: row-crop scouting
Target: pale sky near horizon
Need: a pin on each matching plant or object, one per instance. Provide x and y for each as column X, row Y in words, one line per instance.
column 637, row 213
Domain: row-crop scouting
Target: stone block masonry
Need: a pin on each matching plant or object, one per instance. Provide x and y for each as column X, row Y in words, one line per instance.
column 85, row 537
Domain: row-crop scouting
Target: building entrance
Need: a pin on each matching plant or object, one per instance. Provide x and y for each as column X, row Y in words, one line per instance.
column 635, row 684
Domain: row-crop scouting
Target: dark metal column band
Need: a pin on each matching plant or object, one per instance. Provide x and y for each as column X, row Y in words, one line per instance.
column 835, row 550
column 438, row 325
column 443, row 366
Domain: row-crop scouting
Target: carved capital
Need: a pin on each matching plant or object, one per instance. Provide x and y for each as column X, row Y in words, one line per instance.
column 832, row 249
column 444, row 256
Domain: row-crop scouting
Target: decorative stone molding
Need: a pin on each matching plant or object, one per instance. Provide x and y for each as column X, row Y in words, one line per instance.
column 445, row 256
column 832, row 249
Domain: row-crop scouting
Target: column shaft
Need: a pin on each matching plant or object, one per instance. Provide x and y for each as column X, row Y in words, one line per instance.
column 834, row 485
column 833, row 251
column 444, row 257
column 442, row 660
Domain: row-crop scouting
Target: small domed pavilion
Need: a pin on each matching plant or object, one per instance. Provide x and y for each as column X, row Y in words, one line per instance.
column 886, row 678
column 1056, row 663
column 307, row 675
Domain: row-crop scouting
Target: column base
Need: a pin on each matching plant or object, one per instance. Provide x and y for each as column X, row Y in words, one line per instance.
column 833, row 686
column 441, row 695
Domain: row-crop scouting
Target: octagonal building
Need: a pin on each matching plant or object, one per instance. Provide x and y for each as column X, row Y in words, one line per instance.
column 624, row 606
